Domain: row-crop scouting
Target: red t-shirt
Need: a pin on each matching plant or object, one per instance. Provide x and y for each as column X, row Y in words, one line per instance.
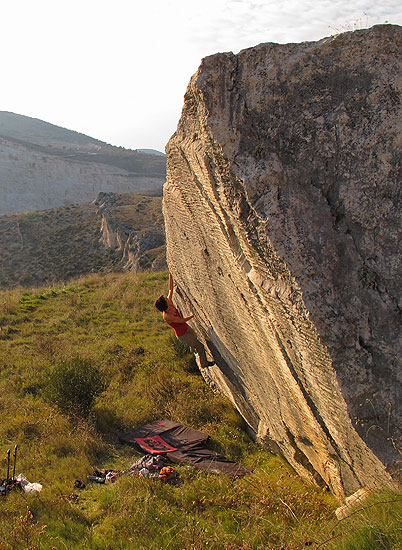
column 179, row 328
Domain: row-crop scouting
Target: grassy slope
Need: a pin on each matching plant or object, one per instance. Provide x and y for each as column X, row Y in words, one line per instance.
column 110, row 322
column 54, row 244
column 57, row 244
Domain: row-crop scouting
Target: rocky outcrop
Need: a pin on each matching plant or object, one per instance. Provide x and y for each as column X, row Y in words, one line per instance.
column 33, row 179
column 113, row 233
column 132, row 226
column 283, row 220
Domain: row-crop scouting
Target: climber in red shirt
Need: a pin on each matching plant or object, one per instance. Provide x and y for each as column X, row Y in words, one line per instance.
column 179, row 324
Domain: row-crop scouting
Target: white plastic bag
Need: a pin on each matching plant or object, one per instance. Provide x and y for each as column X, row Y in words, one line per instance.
column 29, row 488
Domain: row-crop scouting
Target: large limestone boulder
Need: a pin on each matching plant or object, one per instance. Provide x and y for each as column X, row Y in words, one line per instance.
column 283, row 221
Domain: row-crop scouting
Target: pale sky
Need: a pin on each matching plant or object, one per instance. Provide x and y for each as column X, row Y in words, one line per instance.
column 117, row 70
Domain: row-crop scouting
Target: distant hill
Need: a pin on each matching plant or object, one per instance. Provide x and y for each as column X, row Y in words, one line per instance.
column 50, row 139
column 151, row 152
column 33, row 130
column 114, row 233
column 45, row 166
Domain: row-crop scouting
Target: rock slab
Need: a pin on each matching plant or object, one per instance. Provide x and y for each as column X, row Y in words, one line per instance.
column 282, row 208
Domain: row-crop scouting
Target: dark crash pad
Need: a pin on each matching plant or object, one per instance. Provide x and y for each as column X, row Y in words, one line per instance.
column 182, row 445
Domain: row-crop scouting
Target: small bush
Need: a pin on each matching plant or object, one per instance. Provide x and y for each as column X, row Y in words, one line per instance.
column 74, row 386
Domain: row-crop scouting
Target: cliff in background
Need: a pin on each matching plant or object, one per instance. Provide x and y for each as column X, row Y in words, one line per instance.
column 44, row 166
column 113, row 233
column 133, row 227
column 283, row 221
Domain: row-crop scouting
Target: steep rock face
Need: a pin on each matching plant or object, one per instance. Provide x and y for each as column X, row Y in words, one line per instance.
column 34, row 180
column 283, row 220
column 132, row 226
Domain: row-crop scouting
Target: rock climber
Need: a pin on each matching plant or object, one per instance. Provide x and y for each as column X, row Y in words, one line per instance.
column 179, row 324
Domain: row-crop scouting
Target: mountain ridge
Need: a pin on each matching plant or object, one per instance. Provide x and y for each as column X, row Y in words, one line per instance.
column 44, row 166
column 14, row 125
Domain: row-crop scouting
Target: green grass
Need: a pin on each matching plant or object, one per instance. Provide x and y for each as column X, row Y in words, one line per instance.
column 58, row 244
column 108, row 323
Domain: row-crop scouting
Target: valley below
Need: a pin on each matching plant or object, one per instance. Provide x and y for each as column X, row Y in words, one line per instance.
column 113, row 233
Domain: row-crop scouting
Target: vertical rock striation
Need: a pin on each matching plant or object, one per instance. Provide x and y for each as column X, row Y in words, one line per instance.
column 283, row 221
column 132, row 226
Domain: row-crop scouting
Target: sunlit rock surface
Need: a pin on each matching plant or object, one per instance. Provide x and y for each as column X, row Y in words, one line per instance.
column 283, row 222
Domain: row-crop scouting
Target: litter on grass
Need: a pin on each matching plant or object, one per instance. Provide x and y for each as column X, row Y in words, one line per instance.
column 11, row 481
column 27, row 487
column 19, row 482
column 151, row 466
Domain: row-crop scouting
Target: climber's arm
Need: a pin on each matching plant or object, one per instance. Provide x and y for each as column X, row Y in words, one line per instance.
column 170, row 318
column 170, row 293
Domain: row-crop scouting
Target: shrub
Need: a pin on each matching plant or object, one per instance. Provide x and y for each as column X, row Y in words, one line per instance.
column 74, row 386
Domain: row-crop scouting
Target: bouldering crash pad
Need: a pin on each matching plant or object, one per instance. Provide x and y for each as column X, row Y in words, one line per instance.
column 181, row 445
